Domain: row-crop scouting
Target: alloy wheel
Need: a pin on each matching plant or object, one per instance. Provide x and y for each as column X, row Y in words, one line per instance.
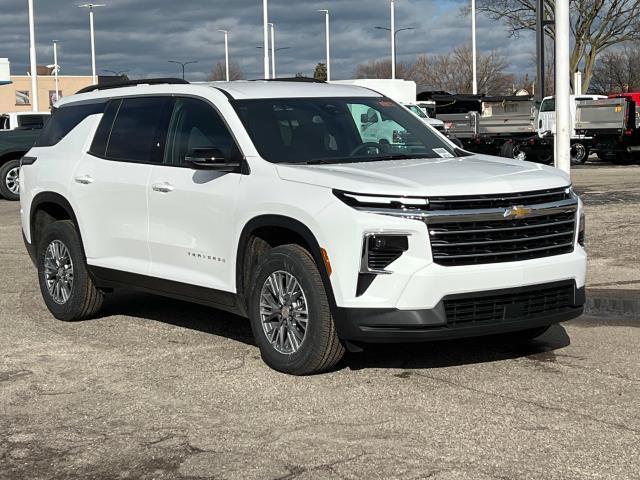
column 283, row 312
column 11, row 180
column 58, row 272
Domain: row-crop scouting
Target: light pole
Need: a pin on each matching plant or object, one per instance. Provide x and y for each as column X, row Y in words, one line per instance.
column 32, row 58
column 563, row 88
column 393, row 49
column 393, row 39
column 273, row 49
column 55, row 68
column 91, row 6
column 326, row 27
column 265, row 35
column 226, row 52
column 473, row 47
column 183, row 64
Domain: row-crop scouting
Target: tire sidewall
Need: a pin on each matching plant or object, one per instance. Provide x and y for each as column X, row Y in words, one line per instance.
column 65, row 232
column 574, row 149
column 279, row 259
column 4, row 171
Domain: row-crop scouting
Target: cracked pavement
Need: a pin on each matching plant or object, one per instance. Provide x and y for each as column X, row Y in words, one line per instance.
column 160, row 389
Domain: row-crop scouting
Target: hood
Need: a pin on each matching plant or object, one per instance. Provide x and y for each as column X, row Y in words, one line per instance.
column 476, row 174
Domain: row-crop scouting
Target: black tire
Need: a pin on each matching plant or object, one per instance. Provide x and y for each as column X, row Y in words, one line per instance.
column 579, row 153
column 456, row 141
column 84, row 299
column 507, row 150
column 320, row 349
column 8, row 180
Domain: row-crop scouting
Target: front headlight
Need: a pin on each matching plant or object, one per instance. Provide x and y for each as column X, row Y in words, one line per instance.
column 375, row 203
column 582, row 227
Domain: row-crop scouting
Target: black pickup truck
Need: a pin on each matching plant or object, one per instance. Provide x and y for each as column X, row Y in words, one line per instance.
column 13, row 145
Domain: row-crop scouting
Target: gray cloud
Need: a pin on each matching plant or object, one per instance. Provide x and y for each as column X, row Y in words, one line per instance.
column 141, row 35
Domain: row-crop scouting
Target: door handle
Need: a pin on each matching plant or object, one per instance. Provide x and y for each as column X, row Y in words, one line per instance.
column 162, row 187
column 84, row 179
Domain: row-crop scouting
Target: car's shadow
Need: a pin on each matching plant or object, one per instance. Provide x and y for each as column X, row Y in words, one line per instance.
column 437, row 354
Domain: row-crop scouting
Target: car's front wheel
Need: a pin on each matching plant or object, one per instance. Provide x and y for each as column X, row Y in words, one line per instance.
column 290, row 315
column 9, row 180
column 65, row 284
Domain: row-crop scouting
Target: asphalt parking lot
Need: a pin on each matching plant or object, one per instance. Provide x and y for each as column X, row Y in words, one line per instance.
column 156, row 388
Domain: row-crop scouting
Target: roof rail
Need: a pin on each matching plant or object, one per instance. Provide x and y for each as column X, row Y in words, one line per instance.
column 131, row 83
column 291, row 79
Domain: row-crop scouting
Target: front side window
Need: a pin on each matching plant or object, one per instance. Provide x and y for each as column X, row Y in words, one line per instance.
column 196, row 125
column 548, row 105
column 136, row 134
column 337, row 130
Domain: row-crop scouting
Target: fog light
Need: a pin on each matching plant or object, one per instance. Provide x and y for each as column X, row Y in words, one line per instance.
column 381, row 250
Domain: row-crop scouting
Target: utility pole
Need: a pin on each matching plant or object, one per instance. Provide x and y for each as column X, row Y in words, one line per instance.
column 226, row 52
column 32, row 58
column 473, row 47
column 91, row 6
column 265, row 35
column 563, row 87
column 55, row 68
column 393, row 40
column 328, row 46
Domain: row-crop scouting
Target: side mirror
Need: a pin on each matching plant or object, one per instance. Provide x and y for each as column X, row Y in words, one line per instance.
column 210, row 159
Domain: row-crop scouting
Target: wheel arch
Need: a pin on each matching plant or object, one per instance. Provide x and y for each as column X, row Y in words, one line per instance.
column 13, row 155
column 56, row 207
column 278, row 223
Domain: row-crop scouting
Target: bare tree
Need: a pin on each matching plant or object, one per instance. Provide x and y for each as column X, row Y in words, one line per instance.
column 617, row 72
column 320, row 72
column 382, row 69
column 595, row 24
column 452, row 72
column 219, row 73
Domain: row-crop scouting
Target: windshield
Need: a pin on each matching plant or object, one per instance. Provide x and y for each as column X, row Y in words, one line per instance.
column 337, row 130
column 548, row 105
column 417, row 110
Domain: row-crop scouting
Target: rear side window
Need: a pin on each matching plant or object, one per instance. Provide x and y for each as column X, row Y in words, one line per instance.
column 65, row 119
column 32, row 121
column 137, row 133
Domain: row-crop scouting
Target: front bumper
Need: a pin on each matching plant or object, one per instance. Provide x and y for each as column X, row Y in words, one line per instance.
column 510, row 310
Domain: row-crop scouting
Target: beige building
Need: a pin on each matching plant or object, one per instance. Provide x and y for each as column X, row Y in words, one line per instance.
column 16, row 96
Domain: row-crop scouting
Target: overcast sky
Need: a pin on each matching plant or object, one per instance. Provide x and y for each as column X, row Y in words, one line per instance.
column 141, row 35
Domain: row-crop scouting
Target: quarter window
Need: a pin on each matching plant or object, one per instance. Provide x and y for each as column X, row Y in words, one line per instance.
column 195, row 124
column 136, row 135
column 65, row 119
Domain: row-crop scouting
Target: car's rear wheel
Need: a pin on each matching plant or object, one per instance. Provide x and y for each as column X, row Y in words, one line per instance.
column 65, row 284
column 9, row 176
column 290, row 315
column 579, row 153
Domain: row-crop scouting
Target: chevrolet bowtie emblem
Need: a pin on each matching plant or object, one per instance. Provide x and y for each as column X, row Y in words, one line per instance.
column 517, row 212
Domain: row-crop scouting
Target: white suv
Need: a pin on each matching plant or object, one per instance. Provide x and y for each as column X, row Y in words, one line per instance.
column 262, row 198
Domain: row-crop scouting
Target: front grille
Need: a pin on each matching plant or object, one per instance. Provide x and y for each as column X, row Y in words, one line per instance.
column 522, row 305
column 467, row 202
column 483, row 234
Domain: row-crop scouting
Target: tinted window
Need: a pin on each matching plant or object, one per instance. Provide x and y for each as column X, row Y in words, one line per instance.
column 338, row 130
column 548, row 105
column 32, row 121
column 65, row 119
column 136, row 134
column 196, row 124
column 99, row 144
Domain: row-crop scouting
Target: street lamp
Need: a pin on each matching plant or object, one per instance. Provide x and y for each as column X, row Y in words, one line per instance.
column 474, row 51
column 265, row 35
column 273, row 49
column 326, row 26
column 91, row 6
column 393, row 46
column 56, row 68
column 183, row 64
column 226, row 52
column 32, row 57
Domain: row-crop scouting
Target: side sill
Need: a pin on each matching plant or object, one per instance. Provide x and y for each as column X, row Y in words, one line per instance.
column 109, row 278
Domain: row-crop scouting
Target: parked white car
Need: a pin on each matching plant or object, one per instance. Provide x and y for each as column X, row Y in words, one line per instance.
column 264, row 199
column 23, row 120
